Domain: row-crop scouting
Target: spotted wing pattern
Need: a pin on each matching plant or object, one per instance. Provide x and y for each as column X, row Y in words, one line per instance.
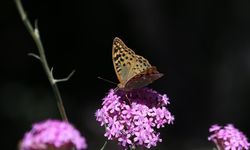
column 123, row 60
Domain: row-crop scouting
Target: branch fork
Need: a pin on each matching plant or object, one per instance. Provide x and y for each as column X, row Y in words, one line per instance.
column 34, row 32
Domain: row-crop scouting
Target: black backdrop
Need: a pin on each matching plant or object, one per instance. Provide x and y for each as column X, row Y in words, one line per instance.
column 202, row 47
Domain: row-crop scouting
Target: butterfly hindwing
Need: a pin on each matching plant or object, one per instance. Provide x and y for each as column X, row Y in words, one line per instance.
column 143, row 79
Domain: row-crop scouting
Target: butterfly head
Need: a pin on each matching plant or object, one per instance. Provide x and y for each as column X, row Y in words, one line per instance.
column 121, row 86
column 124, row 87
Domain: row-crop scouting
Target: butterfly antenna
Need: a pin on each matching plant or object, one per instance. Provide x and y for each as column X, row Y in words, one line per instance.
column 107, row 80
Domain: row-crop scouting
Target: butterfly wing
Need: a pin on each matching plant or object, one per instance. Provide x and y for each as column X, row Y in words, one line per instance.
column 133, row 71
column 143, row 79
column 140, row 65
column 123, row 59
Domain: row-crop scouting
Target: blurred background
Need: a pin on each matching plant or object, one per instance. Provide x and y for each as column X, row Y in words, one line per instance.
column 202, row 47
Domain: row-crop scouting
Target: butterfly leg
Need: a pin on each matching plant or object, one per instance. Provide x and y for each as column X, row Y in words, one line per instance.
column 116, row 89
column 129, row 101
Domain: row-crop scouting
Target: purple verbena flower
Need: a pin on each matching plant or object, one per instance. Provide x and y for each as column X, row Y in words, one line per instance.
column 228, row 138
column 53, row 135
column 131, row 118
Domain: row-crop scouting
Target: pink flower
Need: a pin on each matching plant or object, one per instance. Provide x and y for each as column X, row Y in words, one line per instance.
column 228, row 138
column 53, row 134
column 131, row 118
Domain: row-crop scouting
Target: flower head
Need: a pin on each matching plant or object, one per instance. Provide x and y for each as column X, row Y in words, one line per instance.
column 131, row 118
column 228, row 138
column 53, row 134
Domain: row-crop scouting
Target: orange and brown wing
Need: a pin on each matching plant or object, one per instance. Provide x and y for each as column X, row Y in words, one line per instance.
column 143, row 79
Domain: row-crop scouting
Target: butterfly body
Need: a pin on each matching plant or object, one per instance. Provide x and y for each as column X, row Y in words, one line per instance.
column 133, row 71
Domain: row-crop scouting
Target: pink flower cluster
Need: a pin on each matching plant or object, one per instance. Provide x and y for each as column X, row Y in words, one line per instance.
column 132, row 117
column 228, row 138
column 53, row 134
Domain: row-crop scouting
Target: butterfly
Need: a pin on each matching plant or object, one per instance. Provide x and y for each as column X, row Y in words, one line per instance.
column 132, row 70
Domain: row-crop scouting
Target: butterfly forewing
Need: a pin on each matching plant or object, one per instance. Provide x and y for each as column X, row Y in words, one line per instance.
column 123, row 60
column 140, row 65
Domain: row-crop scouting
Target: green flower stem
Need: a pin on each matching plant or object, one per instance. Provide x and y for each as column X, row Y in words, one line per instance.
column 34, row 32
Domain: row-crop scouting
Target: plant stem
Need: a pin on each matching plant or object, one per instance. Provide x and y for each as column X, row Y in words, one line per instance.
column 104, row 145
column 106, row 142
column 218, row 147
column 34, row 32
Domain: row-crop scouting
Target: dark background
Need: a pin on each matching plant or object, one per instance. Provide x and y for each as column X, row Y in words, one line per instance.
column 202, row 47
